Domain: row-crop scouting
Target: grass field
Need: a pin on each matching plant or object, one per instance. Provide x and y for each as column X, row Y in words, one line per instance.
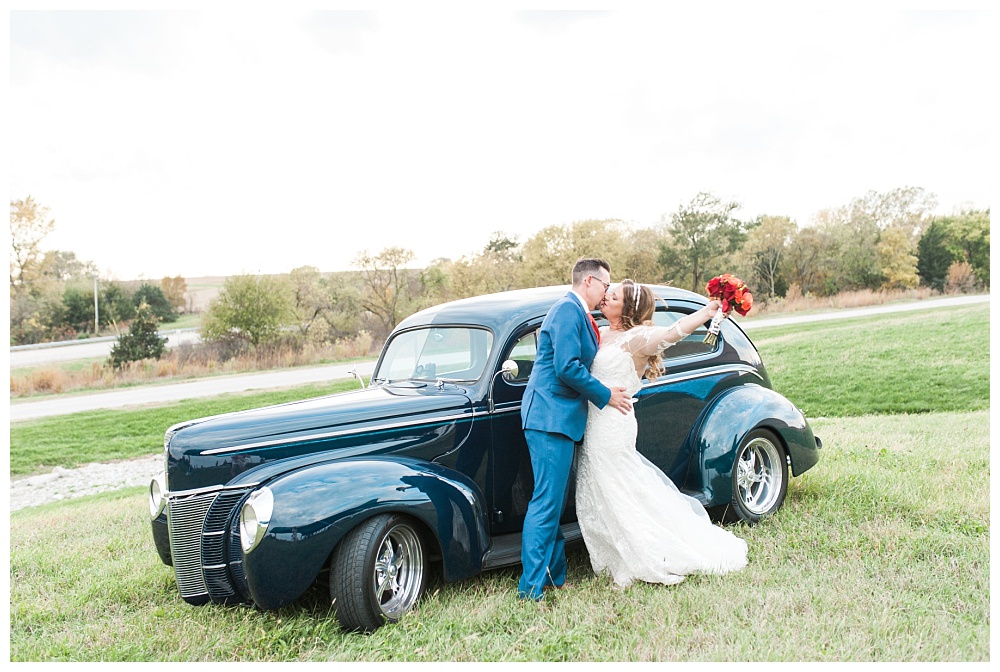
column 918, row 362
column 881, row 552
column 98, row 436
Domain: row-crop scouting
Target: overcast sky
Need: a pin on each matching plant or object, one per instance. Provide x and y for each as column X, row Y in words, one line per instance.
column 212, row 143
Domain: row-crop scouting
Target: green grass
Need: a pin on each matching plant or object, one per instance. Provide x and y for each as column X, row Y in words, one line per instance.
column 935, row 360
column 185, row 321
column 98, row 436
column 881, row 553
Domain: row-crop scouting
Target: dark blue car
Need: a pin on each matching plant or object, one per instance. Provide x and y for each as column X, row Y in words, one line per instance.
column 427, row 465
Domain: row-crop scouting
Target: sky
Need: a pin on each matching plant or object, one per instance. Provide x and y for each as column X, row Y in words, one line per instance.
column 206, row 143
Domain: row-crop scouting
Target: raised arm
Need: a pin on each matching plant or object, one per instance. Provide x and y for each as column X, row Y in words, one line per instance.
column 649, row 340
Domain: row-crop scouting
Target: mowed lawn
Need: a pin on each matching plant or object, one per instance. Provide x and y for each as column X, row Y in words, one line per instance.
column 881, row 552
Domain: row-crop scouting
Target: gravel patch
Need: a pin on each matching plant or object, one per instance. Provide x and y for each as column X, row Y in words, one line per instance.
column 61, row 484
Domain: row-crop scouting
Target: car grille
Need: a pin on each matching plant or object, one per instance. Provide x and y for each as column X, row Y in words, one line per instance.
column 198, row 537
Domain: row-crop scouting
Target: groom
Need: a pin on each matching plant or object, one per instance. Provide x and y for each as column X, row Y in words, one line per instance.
column 554, row 414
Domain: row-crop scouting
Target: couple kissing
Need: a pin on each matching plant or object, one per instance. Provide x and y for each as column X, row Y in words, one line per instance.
column 635, row 523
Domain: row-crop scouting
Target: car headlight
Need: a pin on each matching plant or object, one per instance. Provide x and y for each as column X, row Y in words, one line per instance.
column 255, row 516
column 157, row 502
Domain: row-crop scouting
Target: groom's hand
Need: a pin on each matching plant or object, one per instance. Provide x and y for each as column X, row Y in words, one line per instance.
column 621, row 400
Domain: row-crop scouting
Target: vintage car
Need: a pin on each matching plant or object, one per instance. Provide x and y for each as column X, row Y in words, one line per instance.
column 427, row 464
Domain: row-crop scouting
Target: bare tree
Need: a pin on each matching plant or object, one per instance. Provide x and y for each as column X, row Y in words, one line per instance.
column 807, row 261
column 386, row 283
column 764, row 250
column 311, row 297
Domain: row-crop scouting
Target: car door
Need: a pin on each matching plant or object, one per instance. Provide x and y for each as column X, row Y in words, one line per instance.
column 510, row 471
column 669, row 406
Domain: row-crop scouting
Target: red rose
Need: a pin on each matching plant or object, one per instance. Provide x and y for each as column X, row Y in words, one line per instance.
column 732, row 294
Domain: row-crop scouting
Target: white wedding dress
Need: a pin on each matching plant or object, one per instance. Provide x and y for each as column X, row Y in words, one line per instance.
column 635, row 522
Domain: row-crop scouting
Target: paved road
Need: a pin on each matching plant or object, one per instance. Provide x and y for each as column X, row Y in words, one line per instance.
column 207, row 387
column 845, row 314
column 50, row 353
column 203, row 387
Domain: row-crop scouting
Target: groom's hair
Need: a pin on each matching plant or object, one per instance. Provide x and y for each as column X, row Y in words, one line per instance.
column 586, row 266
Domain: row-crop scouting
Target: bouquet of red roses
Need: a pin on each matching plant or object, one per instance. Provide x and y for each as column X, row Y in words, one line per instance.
column 733, row 294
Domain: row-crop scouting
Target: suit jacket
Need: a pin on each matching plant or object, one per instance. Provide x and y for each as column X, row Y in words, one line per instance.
column 560, row 384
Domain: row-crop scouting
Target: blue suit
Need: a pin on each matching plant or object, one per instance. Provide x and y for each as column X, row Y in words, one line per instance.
column 554, row 415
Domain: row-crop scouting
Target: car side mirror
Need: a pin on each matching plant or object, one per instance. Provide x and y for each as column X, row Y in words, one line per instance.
column 509, row 371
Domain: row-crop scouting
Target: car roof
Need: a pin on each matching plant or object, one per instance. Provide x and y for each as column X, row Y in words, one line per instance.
column 504, row 310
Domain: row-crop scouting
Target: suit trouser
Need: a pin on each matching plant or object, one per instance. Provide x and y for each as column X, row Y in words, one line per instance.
column 543, row 549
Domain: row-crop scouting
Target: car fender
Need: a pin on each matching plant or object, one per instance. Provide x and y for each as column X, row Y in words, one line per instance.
column 316, row 506
column 727, row 421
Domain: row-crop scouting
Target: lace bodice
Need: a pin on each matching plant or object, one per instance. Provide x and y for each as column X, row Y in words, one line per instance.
column 614, row 367
column 618, row 362
column 638, row 344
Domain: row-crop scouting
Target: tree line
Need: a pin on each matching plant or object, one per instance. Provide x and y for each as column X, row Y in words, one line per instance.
column 877, row 241
column 53, row 293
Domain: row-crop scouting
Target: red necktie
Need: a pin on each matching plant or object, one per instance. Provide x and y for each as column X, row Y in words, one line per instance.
column 593, row 323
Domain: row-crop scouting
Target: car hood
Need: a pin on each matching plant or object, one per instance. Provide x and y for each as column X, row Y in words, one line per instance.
column 216, row 450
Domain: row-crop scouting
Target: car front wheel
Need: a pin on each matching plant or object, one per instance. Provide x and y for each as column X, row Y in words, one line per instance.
column 377, row 573
column 760, row 476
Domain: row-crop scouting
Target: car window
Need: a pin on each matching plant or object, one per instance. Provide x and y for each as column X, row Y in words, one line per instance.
column 432, row 353
column 694, row 344
column 523, row 353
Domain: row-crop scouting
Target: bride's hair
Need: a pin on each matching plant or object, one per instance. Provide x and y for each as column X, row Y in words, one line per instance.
column 638, row 305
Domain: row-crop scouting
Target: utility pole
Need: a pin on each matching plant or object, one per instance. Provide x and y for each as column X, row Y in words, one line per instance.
column 97, row 324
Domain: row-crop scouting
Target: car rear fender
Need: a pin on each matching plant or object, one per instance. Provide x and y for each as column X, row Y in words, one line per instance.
column 724, row 424
column 315, row 507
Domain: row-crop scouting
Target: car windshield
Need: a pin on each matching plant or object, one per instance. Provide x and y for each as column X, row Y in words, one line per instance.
column 455, row 354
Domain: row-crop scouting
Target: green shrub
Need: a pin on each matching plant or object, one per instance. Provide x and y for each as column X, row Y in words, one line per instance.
column 249, row 308
column 142, row 340
column 158, row 302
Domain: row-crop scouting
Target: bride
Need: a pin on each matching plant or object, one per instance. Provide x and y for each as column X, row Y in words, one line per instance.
column 635, row 522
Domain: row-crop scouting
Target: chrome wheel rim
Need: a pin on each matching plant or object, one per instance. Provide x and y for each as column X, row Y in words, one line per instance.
column 758, row 476
column 399, row 571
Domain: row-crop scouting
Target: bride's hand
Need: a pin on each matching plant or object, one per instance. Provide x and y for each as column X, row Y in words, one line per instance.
column 713, row 307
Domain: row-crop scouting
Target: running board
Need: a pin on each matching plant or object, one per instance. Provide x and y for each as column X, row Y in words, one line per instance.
column 506, row 550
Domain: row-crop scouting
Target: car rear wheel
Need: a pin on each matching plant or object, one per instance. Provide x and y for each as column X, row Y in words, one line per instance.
column 377, row 573
column 760, row 476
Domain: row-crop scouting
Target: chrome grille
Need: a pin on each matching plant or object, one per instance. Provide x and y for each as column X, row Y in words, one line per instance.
column 214, row 551
column 198, row 542
column 186, row 519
